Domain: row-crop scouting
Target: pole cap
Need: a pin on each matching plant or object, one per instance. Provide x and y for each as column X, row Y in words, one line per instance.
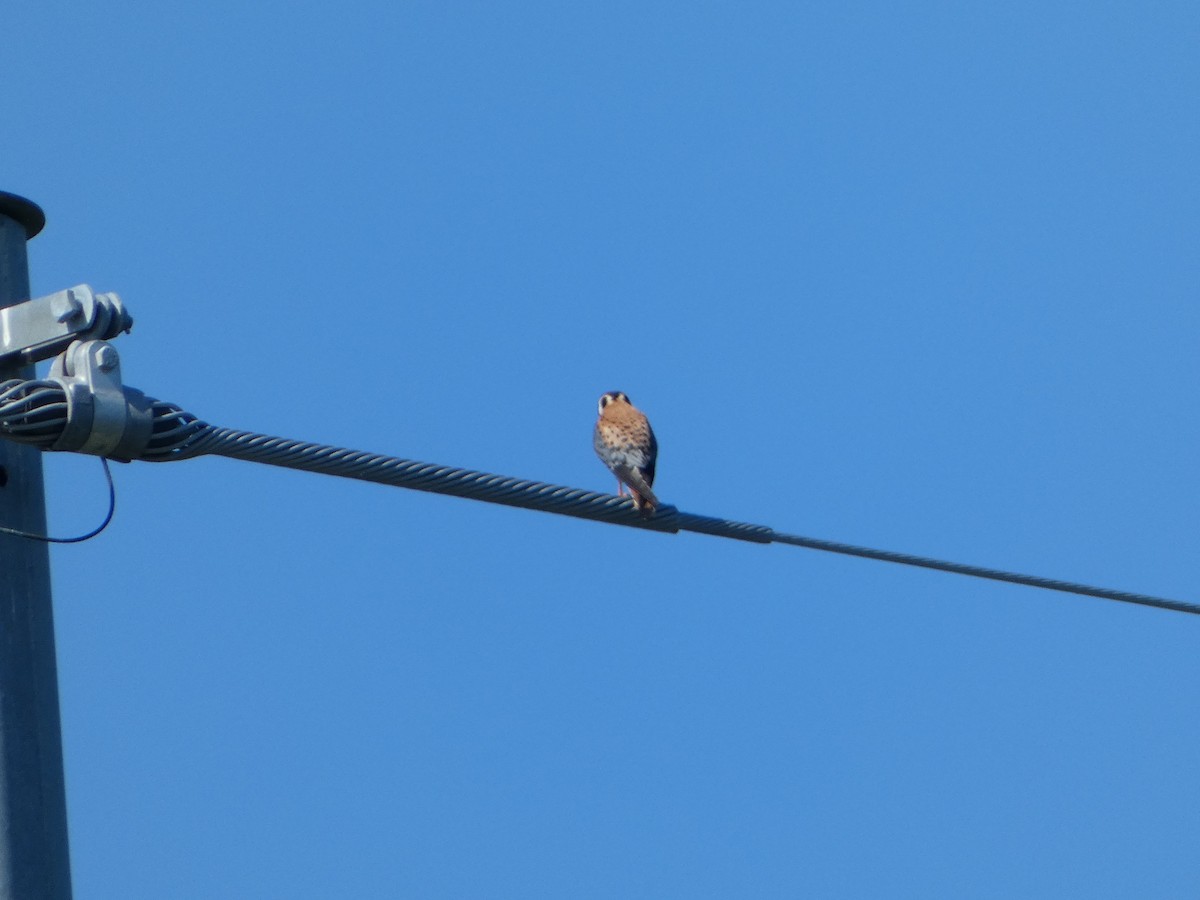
column 24, row 212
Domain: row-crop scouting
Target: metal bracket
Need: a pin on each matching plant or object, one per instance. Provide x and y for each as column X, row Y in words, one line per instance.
column 103, row 417
column 42, row 328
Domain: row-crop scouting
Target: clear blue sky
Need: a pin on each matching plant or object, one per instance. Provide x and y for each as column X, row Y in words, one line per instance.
column 922, row 277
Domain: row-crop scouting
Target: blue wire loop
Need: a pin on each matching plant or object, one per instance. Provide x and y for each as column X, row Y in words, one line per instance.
column 112, row 508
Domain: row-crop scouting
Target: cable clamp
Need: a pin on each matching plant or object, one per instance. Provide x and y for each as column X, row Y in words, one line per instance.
column 42, row 328
column 104, row 418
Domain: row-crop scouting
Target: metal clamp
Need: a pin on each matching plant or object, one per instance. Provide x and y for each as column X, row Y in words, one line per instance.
column 104, row 418
column 42, row 328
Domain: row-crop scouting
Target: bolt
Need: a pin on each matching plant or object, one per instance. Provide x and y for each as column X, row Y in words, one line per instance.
column 122, row 320
column 65, row 306
column 107, row 359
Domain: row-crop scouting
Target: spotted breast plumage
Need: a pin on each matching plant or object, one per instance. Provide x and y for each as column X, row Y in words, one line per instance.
column 625, row 443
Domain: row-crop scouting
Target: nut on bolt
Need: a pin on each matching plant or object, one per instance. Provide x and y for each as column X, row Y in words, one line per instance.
column 107, row 359
column 65, row 306
column 122, row 321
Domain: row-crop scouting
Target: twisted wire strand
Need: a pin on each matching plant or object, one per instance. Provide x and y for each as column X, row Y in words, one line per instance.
column 34, row 412
column 585, row 504
column 421, row 476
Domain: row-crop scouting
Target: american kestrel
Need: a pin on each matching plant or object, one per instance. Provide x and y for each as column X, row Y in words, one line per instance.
column 625, row 443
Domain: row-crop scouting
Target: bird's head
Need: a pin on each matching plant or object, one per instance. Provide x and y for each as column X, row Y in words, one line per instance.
column 608, row 399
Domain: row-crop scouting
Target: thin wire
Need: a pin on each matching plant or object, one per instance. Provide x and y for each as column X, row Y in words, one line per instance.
column 112, row 508
column 1037, row 581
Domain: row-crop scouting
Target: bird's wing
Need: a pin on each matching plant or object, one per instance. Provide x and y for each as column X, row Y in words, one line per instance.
column 651, row 463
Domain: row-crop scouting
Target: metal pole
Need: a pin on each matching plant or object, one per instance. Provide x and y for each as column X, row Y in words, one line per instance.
column 34, row 858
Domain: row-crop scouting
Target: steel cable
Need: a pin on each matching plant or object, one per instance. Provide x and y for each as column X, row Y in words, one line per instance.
column 1037, row 581
column 35, row 412
column 585, row 504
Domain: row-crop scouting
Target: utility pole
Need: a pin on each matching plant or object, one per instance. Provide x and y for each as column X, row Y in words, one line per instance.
column 34, row 857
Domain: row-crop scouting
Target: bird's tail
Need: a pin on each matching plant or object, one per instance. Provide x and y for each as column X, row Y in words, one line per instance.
column 643, row 497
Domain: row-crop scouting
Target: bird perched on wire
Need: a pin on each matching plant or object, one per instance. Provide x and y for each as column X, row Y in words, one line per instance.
column 625, row 443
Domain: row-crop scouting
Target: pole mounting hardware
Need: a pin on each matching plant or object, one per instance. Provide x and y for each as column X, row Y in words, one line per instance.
column 41, row 328
column 104, row 418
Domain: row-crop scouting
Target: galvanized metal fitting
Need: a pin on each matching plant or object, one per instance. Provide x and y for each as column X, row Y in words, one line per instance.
column 42, row 328
column 104, row 418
